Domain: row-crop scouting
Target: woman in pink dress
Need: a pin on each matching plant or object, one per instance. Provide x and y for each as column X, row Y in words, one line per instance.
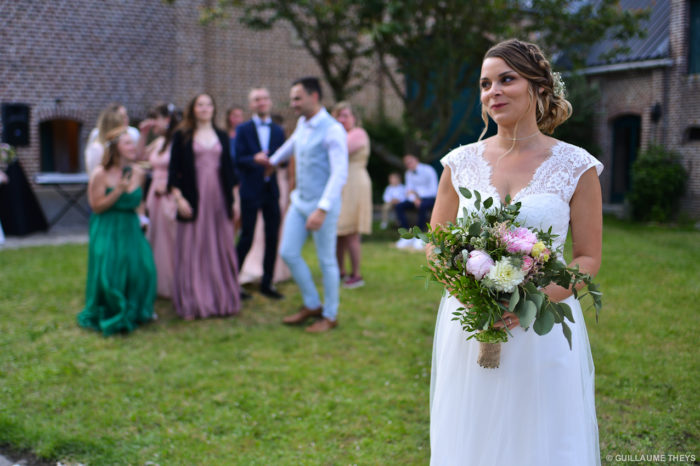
column 160, row 204
column 202, row 181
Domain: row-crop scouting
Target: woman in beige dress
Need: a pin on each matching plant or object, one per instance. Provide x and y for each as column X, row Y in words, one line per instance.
column 356, row 209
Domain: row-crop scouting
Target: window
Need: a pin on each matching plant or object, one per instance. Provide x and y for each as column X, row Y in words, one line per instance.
column 694, row 38
column 692, row 134
column 60, row 146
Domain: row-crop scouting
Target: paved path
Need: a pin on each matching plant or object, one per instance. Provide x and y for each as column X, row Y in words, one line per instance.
column 68, row 236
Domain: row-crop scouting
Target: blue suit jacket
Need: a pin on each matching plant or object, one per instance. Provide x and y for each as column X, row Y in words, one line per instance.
column 252, row 175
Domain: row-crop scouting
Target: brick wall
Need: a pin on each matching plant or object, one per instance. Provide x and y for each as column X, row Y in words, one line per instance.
column 634, row 92
column 684, row 103
column 70, row 58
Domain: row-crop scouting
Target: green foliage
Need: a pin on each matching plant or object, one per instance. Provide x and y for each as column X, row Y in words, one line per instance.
column 430, row 52
column 334, row 33
column 658, row 183
column 585, row 100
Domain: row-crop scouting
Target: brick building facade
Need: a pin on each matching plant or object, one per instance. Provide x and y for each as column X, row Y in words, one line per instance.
column 651, row 95
column 67, row 59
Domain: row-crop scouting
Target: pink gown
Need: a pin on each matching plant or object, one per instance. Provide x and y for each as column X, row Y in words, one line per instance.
column 206, row 267
column 161, row 212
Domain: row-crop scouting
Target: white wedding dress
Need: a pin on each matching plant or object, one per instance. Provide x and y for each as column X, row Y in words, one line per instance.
column 538, row 407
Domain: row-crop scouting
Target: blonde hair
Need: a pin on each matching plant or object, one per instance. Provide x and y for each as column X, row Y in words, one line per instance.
column 345, row 105
column 546, row 89
column 111, row 155
column 109, row 119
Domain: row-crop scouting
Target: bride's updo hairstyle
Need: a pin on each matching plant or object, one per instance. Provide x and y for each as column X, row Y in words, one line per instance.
column 528, row 61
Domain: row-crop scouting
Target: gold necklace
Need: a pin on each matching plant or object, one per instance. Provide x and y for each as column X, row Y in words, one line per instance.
column 522, row 139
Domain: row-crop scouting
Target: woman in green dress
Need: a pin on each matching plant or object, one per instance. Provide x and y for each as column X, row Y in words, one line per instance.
column 121, row 279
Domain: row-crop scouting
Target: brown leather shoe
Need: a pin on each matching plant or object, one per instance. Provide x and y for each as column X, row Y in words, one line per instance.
column 303, row 314
column 322, row 325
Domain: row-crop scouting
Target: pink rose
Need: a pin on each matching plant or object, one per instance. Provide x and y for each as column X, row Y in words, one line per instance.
column 528, row 262
column 519, row 240
column 479, row 264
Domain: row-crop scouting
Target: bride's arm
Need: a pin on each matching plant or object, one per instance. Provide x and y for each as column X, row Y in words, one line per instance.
column 586, row 230
column 446, row 204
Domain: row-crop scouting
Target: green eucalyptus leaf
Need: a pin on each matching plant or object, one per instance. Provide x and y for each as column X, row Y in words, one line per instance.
column 531, row 289
column 488, row 203
column 566, row 310
column 465, row 192
column 527, row 314
column 544, row 323
column 558, row 317
column 537, row 298
column 567, row 333
column 514, row 299
column 475, row 229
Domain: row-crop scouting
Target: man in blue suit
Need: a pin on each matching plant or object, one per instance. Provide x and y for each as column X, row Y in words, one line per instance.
column 258, row 191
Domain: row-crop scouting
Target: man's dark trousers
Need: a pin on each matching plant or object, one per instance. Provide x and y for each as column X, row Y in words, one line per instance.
column 258, row 193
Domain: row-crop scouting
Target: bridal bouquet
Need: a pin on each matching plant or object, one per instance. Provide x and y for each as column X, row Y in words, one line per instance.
column 7, row 153
column 492, row 264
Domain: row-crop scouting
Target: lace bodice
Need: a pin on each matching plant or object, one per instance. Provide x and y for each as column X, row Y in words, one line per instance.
column 545, row 199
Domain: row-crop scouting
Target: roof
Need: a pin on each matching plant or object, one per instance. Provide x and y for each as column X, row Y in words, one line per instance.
column 654, row 45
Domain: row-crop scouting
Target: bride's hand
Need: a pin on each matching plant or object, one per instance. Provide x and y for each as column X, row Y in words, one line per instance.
column 510, row 319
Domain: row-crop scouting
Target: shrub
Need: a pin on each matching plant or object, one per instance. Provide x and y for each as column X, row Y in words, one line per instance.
column 658, row 183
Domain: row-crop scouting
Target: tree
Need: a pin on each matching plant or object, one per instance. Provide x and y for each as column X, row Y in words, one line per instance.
column 334, row 32
column 430, row 51
column 438, row 47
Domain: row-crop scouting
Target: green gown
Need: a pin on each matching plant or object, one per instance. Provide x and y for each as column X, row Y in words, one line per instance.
column 121, row 279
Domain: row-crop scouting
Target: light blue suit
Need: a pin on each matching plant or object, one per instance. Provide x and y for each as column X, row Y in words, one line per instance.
column 319, row 178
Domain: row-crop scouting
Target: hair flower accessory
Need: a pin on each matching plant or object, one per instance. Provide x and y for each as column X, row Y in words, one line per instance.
column 558, row 85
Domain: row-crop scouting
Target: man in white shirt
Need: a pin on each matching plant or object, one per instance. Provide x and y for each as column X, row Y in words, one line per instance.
column 319, row 144
column 421, row 189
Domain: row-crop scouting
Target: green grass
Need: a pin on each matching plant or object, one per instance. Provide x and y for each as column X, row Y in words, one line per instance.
column 248, row 390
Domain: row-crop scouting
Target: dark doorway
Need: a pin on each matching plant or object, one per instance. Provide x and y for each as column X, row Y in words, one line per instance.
column 626, row 136
column 60, row 146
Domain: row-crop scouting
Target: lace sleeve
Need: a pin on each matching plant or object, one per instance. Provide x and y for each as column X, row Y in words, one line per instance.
column 581, row 161
column 449, row 159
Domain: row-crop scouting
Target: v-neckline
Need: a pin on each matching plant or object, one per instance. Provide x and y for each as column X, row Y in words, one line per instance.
column 527, row 185
column 204, row 146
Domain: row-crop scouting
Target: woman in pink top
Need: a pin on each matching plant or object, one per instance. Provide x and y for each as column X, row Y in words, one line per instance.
column 356, row 208
column 160, row 205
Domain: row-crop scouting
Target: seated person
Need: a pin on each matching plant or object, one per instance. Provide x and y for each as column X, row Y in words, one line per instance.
column 394, row 193
column 421, row 189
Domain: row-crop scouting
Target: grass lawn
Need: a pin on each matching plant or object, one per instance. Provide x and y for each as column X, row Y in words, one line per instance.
column 248, row 390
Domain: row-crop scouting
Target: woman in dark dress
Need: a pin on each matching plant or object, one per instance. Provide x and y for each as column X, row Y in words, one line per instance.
column 121, row 280
column 202, row 181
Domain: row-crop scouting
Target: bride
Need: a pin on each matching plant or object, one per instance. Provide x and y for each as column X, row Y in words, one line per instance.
column 538, row 407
